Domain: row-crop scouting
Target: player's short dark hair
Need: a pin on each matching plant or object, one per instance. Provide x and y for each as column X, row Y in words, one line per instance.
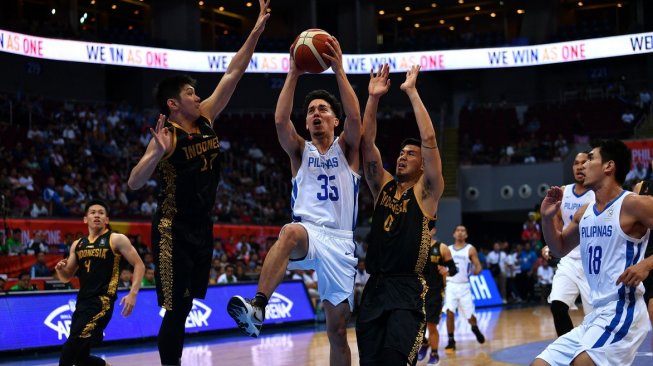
column 169, row 88
column 617, row 151
column 323, row 94
column 96, row 202
column 410, row 141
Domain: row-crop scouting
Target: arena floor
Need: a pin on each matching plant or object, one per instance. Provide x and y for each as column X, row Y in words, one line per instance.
column 514, row 337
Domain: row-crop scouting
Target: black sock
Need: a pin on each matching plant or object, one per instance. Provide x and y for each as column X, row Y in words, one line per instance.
column 260, row 300
column 451, row 340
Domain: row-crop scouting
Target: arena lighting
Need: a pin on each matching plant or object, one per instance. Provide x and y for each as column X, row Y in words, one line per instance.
column 619, row 5
column 248, row 4
column 407, row 8
column 435, row 60
column 520, row 11
column 221, row 8
column 433, row 5
column 136, row 12
column 399, row 19
column 580, row 3
column 92, row 2
column 441, row 21
column 477, row 8
column 416, row 25
column 467, row 19
column 452, row 28
column 54, row 11
column 201, row 3
column 381, row 12
column 114, row 6
column 493, row 15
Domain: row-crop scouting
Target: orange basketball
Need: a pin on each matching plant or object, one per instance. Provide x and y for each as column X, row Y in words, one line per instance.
column 308, row 48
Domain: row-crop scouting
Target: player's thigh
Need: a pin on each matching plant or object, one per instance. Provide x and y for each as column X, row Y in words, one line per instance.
column 370, row 337
column 564, row 288
column 405, row 329
column 297, row 235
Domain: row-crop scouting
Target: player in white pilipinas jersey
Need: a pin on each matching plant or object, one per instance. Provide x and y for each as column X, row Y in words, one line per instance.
column 457, row 293
column 569, row 280
column 613, row 231
column 324, row 202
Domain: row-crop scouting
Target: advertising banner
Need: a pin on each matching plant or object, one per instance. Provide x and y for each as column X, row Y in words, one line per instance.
column 484, row 290
column 43, row 320
column 480, row 58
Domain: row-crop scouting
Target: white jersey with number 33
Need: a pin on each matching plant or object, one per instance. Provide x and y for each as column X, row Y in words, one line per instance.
column 325, row 189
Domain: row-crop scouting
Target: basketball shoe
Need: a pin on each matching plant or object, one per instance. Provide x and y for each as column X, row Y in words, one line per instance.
column 248, row 316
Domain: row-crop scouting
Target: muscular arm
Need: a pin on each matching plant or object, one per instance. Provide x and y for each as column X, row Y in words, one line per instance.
column 290, row 141
column 351, row 134
column 431, row 183
column 159, row 145
column 215, row 103
column 375, row 175
column 66, row 268
column 121, row 244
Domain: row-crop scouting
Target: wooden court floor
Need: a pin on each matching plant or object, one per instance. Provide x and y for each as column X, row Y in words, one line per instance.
column 502, row 327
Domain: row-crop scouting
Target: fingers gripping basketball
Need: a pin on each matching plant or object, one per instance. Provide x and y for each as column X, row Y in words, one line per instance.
column 308, row 48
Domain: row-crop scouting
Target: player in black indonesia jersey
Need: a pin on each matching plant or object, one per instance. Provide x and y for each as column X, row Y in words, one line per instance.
column 439, row 265
column 184, row 152
column 392, row 318
column 96, row 261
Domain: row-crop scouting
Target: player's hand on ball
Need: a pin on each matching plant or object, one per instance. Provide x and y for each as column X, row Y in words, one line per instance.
column 336, row 54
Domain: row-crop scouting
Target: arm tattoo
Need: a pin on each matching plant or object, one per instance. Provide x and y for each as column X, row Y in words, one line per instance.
column 372, row 168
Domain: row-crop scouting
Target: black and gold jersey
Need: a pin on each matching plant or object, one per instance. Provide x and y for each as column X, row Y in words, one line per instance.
column 98, row 267
column 399, row 238
column 189, row 174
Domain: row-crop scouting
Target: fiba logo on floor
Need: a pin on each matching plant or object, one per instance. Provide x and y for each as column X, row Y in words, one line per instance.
column 60, row 318
column 198, row 316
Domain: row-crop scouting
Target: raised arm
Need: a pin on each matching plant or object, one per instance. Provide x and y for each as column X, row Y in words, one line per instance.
column 67, row 267
column 160, row 144
column 215, row 103
column 375, row 175
column 121, row 244
column 559, row 241
column 351, row 133
column 431, row 184
column 290, row 141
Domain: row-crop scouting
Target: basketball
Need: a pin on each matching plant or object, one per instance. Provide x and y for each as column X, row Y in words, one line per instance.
column 308, row 48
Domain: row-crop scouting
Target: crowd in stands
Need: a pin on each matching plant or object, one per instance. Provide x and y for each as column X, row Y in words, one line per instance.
column 505, row 133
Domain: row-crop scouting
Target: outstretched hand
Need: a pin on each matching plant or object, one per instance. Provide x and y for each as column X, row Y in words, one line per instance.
column 263, row 16
column 551, row 203
column 379, row 82
column 161, row 134
column 411, row 78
